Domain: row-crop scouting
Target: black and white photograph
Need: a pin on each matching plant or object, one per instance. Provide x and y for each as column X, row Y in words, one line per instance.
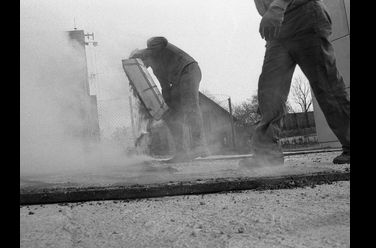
column 171, row 123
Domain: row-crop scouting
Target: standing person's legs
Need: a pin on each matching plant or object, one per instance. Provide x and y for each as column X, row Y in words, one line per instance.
column 175, row 123
column 273, row 89
column 315, row 56
column 189, row 100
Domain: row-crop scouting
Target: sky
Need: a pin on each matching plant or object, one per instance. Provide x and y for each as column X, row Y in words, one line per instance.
column 221, row 35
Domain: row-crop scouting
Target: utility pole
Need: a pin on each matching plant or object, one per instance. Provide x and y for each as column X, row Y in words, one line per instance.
column 232, row 124
column 89, row 107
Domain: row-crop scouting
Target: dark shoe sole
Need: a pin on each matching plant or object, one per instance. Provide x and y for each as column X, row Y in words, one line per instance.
column 341, row 159
column 340, row 162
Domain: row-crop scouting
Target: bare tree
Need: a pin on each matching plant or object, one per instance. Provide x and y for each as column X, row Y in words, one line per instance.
column 246, row 112
column 289, row 107
column 301, row 93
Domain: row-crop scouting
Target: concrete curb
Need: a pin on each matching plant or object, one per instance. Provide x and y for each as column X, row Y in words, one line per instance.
column 198, row 186
column 287, row 153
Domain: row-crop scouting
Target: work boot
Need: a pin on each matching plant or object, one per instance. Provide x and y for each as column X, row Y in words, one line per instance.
column 255, row 162
column 344, row 158
column 180, row 157
column 199, row 151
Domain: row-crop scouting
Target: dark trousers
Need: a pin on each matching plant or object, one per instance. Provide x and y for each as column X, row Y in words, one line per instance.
column 185, row 109
column 314, row 54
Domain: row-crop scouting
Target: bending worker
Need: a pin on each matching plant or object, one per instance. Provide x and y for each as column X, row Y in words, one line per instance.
column 179, row 76
column 297, row 32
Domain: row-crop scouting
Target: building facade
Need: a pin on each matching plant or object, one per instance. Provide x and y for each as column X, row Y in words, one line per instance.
column 339, row 11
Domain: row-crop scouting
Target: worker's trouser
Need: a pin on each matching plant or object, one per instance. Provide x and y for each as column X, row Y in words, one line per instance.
column 315, row 56
column 185, row 109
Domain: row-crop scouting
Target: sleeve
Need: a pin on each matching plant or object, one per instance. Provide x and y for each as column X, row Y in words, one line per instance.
column 263, row 5
column 165, row 89
column 281, row 3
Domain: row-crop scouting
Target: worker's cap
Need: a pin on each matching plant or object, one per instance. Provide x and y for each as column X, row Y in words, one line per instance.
column 156, row 41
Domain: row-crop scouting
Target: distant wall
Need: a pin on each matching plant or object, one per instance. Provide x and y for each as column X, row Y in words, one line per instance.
column 299, row 120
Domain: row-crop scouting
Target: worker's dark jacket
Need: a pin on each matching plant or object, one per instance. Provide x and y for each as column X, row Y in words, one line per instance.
column 263, row 5
column 179, row 76
column 166, row 60
column 299, row 19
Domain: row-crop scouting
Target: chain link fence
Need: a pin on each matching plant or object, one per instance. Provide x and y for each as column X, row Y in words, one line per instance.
column 220, row 99
column 125, row 122
column 115, row 122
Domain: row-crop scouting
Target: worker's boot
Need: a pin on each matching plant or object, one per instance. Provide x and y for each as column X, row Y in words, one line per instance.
column 199, row 151
column 255, row 162
column 344, row 158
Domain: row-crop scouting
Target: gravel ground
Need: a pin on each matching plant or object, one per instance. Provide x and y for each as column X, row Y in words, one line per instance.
column 316, row 216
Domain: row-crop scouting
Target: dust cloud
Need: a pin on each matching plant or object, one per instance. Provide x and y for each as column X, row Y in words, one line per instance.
column 51, row 106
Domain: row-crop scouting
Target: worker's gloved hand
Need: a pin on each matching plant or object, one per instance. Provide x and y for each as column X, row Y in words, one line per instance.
column 167, row 98
column 136, row 53
column 271, row 23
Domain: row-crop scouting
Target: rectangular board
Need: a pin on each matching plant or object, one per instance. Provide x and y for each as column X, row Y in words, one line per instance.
column 142, row 82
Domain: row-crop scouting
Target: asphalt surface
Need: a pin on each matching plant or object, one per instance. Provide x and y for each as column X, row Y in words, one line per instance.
column 152, row 178
column 312, row 213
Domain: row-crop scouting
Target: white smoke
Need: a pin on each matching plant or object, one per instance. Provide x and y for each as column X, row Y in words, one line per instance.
column 52, row 105
column 49, row 102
